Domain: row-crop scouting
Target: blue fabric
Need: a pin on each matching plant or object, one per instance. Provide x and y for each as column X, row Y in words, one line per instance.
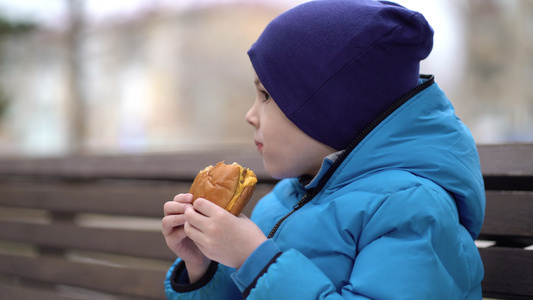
column 221, row 286
column 333, row 65
column 257, row 261
column 397, row 219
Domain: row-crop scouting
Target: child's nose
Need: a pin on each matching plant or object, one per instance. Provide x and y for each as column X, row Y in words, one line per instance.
column 251, row 117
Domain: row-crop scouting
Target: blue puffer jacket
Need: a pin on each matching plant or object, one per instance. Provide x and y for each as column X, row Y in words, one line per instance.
column 394, row 217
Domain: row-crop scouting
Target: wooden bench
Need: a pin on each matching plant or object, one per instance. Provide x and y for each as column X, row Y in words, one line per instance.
column 89, row 227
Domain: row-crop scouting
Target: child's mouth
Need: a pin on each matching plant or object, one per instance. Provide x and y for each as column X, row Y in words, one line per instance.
column 259, row 147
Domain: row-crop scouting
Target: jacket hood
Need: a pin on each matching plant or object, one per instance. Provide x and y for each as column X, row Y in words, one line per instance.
column 424, row 137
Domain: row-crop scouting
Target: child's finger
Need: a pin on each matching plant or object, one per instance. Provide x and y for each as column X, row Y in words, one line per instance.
column 196, row 218
column 174, row 208
column 183, row 198
column 207, row 208
column 169, row 223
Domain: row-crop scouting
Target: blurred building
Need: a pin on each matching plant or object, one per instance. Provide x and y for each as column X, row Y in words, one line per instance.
column 163, row 80
column 497, row 95
column 169, row 80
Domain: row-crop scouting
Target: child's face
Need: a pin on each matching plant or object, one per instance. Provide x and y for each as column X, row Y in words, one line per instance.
column 286, row 150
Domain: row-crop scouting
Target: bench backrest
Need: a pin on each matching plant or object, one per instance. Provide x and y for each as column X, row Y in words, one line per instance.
column 79, row 227
column 508, row 262
column 89, row 227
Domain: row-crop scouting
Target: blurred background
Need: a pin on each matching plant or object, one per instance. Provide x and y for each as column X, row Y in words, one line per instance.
column 144, row 76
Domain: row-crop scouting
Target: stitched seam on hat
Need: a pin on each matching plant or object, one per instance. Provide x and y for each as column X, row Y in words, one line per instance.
column 350, row 61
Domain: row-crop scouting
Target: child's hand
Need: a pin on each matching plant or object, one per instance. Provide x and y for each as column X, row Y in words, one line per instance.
column 177, row 240
column 220, row 235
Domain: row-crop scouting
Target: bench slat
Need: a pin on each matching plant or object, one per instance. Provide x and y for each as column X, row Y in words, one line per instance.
column 15, row 290
column 509, row 214
column 174, row 166
column 128, row 199
column 11, row 292
column 507, row 167
column 495, row 160
column 150, row 244
column 101, row 198
column 508, row 273
column 117, row 280
column 506, row 159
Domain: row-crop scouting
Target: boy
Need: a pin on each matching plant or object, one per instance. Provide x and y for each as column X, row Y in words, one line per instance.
column 382, row 195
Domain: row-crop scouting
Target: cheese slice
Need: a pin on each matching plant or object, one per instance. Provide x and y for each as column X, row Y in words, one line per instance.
column 244, row 181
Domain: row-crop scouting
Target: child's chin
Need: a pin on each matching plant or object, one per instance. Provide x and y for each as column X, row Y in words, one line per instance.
column 277, row 171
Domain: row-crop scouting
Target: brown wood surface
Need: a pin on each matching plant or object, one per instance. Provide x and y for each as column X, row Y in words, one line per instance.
column 30, row 293
column 515, row 159
column 173, row 166
column 139, row 185
column 508, row 273
column 118, row 280
column 117, row 198
column 506, row 159
column 509, row 213
column 128, row 198
column 148, row 244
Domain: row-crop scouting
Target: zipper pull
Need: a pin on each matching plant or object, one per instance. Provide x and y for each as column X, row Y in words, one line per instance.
column 298, row 205
column 302, row 202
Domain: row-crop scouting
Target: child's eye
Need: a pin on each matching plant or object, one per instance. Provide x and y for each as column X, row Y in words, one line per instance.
column 266, row 95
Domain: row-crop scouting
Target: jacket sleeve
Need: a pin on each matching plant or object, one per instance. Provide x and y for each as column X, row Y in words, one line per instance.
column 216, row 283
column 411, row 247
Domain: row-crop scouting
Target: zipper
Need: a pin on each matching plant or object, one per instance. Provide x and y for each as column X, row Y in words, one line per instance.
column 309, row 195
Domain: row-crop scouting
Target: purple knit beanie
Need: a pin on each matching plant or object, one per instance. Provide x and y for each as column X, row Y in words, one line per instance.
column 333, row 66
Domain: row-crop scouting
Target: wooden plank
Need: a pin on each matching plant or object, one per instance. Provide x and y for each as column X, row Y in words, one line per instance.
column 174, row 166
column 148, row 244
column 19, row 293
column 143, row 199
column 131, row 199
column 116, row 280
column 508, row 273
column 506, row 159
column 508, row 213
column 496, row 160
column 15, row 287
column 507, row 167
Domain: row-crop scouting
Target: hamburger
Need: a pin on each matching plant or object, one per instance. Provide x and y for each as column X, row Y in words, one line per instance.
column 228, row 186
